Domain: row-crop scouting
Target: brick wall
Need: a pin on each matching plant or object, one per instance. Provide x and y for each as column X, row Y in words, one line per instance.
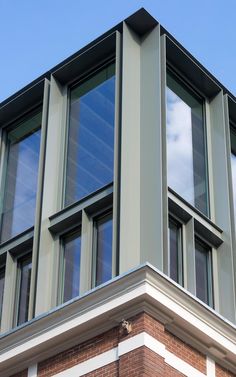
column 221, row 372
column 139, row 362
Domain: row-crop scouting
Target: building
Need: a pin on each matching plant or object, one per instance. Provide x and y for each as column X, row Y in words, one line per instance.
column 117, row 230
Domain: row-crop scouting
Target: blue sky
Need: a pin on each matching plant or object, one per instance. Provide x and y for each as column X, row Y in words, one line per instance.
column 35, row 35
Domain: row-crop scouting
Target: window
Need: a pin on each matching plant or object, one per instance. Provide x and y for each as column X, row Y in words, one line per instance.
column 23, row 144
column 175, row 251
column 71, row 266
column 203, row 265
column 24, row 266
column 90, row 154
column 186, row 147
column 103, row 241
column 2, row 281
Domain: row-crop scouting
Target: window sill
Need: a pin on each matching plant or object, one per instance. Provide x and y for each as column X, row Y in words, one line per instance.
column 203, row 225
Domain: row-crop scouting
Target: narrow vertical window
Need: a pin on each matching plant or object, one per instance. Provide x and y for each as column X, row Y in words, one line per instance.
column 233, row 165
column 24, row 277
column 90, row 152
column 103, row 230
column 71, row 267
column 2, row 281
column 175, row 252
column 23, row 144
column 203, row 263
column 186, row 146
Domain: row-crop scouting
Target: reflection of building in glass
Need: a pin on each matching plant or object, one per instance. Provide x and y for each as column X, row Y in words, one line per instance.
column 117, row 181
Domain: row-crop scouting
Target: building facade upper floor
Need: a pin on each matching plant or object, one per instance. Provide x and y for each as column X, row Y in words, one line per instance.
column 121, row 155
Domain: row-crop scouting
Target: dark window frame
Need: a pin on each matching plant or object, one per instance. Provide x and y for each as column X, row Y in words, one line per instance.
column 27, row 255
column 181, row 80
column 180, row 255
column 209, row 270
column 105, row 213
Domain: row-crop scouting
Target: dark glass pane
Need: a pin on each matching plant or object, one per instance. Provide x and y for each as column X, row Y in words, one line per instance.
column 186, row 154
column 175, row 252
column 203, row 278
column 2, row 281
column 91, row 136
column 25, row 266
column 21, row 178
column 104, row 250
column 71, row 280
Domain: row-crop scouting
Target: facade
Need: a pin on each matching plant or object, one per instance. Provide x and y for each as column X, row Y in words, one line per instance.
column 117, row 233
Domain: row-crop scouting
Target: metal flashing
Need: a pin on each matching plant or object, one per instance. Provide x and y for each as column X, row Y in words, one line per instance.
column 141, row 22
column 22, row 102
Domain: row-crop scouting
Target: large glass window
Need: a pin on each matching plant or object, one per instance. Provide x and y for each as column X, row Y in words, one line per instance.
column 71, row 266
column 203, row 264
column 23, row 289
column 2, row 281
column 186, row 147
column 23, row 144
column 175, row 251
column 90, row 152
column 103, row 237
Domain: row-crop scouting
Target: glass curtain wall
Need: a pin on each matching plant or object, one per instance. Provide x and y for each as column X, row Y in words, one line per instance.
column 24, row 277
column 203, row 264
column 103, row 229
column 71, row 266
column 186, row 144
column 90, row 155
column 23, row 145
column 175, row 252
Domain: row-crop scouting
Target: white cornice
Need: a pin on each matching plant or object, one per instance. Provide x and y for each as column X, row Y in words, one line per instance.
column 142, row 289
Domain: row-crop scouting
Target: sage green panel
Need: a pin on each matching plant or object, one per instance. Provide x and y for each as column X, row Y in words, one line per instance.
column 221, row 207
column 189, row 257
column 151, row 199
column 38, row 210
column 52, row 196
column 231, row 193
column 130, row 153
column 86, row 253
column 9, row 293
column 117, row 163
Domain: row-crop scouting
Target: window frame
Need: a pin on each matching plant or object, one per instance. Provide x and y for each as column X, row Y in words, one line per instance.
column 81, row 212
column 17, row 245
column 27, row 254
column 194, row 222
column 70, row 86
column 4, row 158
column 182, row 80
column 61, row 278
column 180, row 251
column 99, row 216
column 209, row 270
